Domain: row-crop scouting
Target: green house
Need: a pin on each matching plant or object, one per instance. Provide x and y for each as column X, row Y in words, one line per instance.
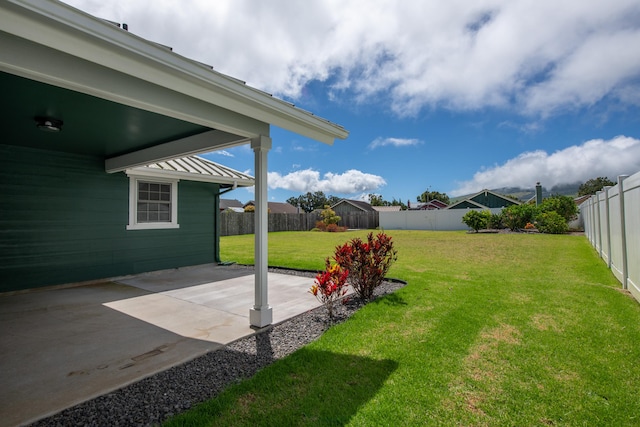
column 90, row 112
column 485, row 199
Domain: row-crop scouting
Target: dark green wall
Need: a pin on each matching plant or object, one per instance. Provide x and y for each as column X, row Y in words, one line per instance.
column 486, row 199
column 465, row 205
column 63, row 219
column 491, row 200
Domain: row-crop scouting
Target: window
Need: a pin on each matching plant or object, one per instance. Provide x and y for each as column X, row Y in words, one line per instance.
column 153, row 203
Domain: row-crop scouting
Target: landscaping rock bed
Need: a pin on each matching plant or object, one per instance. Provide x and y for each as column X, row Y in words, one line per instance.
column 154, row 399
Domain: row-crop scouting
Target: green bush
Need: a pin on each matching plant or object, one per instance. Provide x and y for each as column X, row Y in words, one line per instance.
column 495, row 222
column 517, row 216
column 476, row 220
column 552, row 223
column 563, row 205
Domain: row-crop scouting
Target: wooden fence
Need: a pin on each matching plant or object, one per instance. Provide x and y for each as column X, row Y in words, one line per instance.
column 235, row 223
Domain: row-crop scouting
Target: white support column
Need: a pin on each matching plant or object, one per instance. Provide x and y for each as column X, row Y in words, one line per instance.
column 261, row 314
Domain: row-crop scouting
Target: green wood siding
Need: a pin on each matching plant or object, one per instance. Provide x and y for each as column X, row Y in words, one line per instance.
column 63, row 220
column 492, row 201
column 465, row 205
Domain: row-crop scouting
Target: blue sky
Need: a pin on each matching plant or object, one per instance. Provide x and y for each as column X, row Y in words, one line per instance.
column 444, row 96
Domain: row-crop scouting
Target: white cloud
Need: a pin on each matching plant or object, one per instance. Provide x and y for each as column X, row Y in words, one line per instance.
column 224, row 153
column 578, row 163
column 535, row 56
column 308, row 180
column 396, row 142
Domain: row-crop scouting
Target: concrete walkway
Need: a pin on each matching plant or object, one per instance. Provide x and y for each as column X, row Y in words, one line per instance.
column 62, row 347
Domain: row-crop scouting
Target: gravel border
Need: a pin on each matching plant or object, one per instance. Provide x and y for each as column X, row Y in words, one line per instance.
column 154, row 399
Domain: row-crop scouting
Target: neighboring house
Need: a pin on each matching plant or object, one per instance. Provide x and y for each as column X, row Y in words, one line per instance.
column 428, row 206
column 346, row 206
column 231, row 204
column 276, row 207
column 485, row 199
column 93, row 117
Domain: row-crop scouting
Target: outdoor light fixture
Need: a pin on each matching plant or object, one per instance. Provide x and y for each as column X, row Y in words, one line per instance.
column 48, row 124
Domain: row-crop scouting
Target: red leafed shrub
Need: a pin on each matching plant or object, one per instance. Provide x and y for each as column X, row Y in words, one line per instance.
column 367, row 262
column 330, row 285
column 332, row 228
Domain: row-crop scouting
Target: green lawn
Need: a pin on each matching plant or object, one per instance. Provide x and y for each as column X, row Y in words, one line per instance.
column 492, row 329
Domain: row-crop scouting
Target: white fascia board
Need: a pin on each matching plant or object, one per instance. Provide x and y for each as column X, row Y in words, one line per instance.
column 67, row 29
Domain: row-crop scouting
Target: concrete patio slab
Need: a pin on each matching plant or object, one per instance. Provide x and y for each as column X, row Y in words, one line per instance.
column 65, row 346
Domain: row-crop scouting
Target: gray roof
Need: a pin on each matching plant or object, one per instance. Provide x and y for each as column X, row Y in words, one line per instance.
column 195, row 168
column 230, row 203
column 363, row 206
column 387, row 208
column 277, row 207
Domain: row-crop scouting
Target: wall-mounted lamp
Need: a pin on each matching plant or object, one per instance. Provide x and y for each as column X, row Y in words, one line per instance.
column 48, row 124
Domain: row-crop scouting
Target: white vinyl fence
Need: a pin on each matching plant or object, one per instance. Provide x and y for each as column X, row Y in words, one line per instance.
column 445, row 219
column 612, row 225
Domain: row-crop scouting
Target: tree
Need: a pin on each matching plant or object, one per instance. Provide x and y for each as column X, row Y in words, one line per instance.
column 332, row 200
column 312, row 201
column 428, row 196
column 594, row 185
column 329, row 216
column 395, row 202
column 563, row 205
column 377, row 200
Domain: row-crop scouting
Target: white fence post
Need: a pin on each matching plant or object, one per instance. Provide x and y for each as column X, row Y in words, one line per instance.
column 598, row 223
column 608, row 225
column 625, row 269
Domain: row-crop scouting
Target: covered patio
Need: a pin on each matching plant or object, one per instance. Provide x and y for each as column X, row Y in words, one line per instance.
column 87, row 105
column 64, row 346
column 95, row 116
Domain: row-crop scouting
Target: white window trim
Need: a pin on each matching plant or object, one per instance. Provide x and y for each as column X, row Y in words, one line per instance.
column 134, row 178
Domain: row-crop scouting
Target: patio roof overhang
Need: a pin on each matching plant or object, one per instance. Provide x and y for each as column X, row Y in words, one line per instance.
column 195, row 168
column 133, row 102
column 81, row 68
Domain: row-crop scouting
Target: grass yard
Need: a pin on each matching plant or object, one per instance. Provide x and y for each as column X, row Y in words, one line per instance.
column 491, row 330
